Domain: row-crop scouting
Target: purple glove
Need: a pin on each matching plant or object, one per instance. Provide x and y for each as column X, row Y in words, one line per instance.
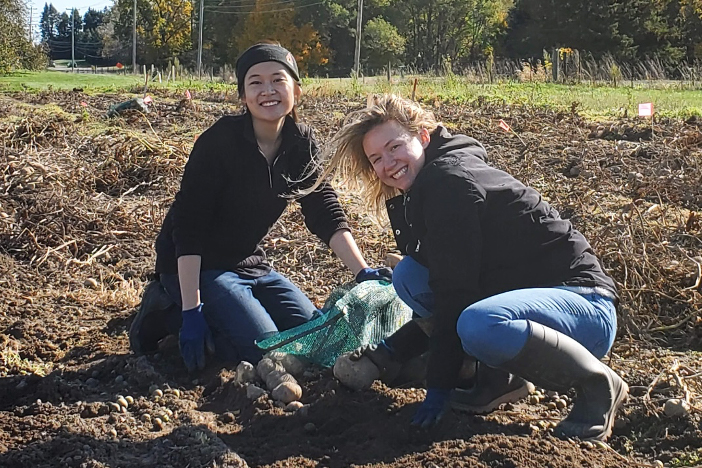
column 195, row 335
column 378, row 274
column 432, row 408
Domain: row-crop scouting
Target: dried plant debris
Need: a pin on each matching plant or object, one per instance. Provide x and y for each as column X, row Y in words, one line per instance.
column 82, row 198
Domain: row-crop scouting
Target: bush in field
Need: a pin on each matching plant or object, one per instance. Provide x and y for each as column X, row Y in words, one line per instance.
column 16, row 50
column 533, row 73
column 383, row 44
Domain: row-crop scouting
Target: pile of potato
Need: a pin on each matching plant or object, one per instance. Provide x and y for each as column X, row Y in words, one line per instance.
column 276, row 370
column 355, row 374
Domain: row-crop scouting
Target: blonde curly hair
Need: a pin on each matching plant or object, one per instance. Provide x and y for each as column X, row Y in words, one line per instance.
column 344, row 154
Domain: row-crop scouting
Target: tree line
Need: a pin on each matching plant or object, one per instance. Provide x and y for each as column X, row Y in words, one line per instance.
column 422, row 35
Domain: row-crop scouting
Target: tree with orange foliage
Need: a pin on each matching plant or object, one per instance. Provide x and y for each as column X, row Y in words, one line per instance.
column 269, row 22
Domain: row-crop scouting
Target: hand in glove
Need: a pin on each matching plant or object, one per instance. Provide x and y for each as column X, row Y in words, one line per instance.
column 383, row 357
column 195, row 335
column 378, row 274
column 432, row 408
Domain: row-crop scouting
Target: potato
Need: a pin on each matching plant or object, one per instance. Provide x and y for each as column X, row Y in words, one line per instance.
column 293, row 364
column 676, row 407
column 287, row 392
column 275, row 355
column 293, row 406
column 245, row 372
column 356, row 375
column 276, row 378
column 265, row 366
column 253, row 392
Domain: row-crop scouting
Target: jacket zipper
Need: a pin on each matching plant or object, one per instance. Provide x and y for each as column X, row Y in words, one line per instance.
column 405, row 199
column 270, row 168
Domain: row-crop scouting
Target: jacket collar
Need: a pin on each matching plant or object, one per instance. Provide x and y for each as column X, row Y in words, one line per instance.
column 291, row 130
column 442, row 142
column 438, row 139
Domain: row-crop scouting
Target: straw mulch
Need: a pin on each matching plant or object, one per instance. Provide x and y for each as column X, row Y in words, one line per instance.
column 82, row 198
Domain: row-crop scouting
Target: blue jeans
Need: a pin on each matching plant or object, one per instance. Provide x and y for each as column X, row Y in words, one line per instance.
column 241, row 310
column 494, row 330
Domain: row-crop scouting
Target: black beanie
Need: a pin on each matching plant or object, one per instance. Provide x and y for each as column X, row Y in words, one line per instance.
column 264, row 53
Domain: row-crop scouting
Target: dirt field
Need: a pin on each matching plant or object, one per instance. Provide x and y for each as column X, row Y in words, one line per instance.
column 82, row 198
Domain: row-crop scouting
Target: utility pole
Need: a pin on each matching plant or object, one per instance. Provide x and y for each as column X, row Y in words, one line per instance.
column 357, row 55
column 31, row 10
column 134, row 64
column 199, row 41
column 73, row 40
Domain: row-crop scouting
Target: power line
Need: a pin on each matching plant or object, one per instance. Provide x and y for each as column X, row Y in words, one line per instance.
column 228, row 3
column 284, row 2
column 228, row 12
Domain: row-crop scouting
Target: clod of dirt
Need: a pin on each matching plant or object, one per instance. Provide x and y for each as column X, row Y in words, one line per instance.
column 356, row 375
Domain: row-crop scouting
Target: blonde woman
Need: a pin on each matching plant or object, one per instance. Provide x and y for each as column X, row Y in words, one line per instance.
column 502, row 276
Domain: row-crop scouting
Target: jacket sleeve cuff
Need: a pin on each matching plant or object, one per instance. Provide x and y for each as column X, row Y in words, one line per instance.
column 327, row 233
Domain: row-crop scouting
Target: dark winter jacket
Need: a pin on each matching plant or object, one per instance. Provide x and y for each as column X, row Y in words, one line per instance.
column 230, row 197
column 481, row 232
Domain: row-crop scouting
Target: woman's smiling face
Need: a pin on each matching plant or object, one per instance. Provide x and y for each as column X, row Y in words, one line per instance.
column 270, row 91
column 395, row 154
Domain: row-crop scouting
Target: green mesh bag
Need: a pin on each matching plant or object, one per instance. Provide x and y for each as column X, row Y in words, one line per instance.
column 352, row 316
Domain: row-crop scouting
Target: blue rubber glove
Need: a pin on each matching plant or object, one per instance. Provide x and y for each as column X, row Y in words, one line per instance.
column 432, row 408
column 195, row 335
column 378, row 274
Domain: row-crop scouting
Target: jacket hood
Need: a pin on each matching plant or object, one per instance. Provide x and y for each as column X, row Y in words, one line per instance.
column 443, row 142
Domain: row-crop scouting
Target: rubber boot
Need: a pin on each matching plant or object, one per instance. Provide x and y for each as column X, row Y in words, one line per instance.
column 408, row 342
column 158, row 316
column 557, row 362
column 492, row 388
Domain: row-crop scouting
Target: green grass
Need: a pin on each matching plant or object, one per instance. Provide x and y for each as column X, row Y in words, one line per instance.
column 596, row 102
column 599, row 101
column 40, row 81
column 687, row 459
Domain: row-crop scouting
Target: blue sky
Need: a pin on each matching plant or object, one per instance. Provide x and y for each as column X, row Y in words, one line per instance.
column 61, row 5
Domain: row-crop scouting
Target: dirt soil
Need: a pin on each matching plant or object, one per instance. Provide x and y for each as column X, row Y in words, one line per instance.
column 82, row 198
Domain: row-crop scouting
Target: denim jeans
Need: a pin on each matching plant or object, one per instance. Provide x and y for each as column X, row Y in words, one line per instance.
column 494, row 330
column 241, row 310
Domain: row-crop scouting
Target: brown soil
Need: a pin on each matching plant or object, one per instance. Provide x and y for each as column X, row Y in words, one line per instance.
column 82, row 198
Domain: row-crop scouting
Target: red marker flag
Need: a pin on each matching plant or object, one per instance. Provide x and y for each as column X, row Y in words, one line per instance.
column 504, row 126
column 646, row 109
column 83, row 103
column 187, row 95
column 148, row 100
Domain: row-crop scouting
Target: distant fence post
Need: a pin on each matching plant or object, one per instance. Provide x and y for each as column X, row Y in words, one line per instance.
column 555, row 59
column 578, row 66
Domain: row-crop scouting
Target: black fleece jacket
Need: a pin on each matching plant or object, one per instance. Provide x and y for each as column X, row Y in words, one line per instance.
column 481, row 232
column 230, row 197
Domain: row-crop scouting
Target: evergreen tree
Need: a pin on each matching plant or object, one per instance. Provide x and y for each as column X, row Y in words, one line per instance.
column 48, row 22
column 16, row 48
